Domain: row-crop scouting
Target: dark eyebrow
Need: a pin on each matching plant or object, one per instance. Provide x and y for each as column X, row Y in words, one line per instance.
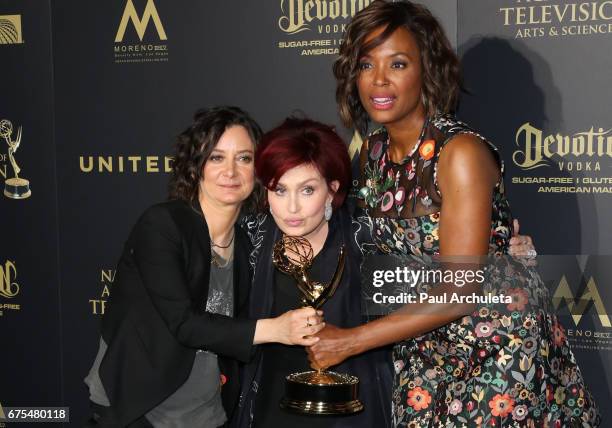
column 399, row 53
column 240, row 152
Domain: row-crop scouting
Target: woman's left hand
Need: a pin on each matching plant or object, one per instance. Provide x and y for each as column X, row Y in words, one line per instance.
column 334, row 346
column 521, row 245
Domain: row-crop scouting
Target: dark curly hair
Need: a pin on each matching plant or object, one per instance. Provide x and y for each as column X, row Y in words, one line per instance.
column 195, row 144
column 441, row 71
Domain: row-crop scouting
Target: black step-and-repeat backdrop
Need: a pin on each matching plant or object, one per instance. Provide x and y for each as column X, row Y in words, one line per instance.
column 30, row 301
column 93, row 94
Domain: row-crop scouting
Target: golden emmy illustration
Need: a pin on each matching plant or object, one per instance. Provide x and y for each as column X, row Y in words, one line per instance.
column 16, row 187
column 314, row 392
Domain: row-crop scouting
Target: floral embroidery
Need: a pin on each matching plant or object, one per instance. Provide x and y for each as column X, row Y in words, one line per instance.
column 387, row 201
column 484, row 329
column 558, row 333
column 410, row 169
column 502, row 366
column 427, row 148
column 501, row 405
column 519, row 299
column 418, row 398
column 455, row 407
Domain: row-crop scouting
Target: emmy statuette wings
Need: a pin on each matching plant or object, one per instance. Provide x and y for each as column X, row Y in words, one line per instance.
column 293, row 255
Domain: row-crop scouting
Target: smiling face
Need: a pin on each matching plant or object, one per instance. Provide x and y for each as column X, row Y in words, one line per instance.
column 298, row 202
column 390, row 78
column 228, row 175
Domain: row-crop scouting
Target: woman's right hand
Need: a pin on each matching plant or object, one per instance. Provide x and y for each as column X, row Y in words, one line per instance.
column 297, row 327
column 294, row 327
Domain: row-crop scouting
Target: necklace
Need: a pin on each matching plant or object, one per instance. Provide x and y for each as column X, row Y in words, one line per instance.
column 216, row 259
column 212, row 243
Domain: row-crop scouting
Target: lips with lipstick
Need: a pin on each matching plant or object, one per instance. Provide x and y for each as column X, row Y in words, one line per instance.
column 230, row 186
column 382, row 102
column 293, row 222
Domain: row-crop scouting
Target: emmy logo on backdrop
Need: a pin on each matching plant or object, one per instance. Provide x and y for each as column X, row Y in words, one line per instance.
column 16, row 187
column 314, row 392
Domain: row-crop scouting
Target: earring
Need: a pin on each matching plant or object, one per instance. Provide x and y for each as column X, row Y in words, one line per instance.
column 328, row 210
column 270, row 208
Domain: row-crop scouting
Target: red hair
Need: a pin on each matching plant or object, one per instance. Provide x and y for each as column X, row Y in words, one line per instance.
column 303, row 141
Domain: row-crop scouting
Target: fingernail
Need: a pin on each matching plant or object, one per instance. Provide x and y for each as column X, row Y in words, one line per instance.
column 319, row 312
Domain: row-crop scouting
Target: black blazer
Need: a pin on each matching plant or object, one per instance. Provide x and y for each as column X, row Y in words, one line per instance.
column 155, row 320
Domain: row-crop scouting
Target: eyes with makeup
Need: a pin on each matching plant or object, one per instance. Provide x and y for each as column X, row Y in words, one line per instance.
column 396, row 64
column 245, row 158
column 307, row 190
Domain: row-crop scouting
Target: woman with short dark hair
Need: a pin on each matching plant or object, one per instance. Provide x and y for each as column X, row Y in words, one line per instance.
column 173, row 331
column 440, row 71
column 430, row 187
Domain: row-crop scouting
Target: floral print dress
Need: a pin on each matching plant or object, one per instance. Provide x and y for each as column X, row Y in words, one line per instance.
column 505, row 365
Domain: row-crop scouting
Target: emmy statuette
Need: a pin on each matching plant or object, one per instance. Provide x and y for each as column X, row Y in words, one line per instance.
column 314, row 392
column 15, row 187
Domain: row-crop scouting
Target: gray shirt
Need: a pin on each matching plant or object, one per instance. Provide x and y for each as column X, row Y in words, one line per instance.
column 196, row 403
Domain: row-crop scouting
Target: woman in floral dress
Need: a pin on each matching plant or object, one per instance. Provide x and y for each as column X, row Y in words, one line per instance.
column 431, row 186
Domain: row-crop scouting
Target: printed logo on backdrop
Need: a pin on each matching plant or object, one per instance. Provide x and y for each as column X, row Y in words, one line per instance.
column 97, row 304
column 9, row 288
column 15, row 187
column 556, row 18
column 315, row 27
column 140, row 37
column 581, row 306
column 10, row 30
column 128, row 164
column 577, row 162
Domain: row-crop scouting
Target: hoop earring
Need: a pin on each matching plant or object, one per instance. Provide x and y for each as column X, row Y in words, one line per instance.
column 328, row 210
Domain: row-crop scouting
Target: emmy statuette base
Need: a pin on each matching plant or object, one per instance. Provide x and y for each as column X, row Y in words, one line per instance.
column 321, row 393
column 17, row 188
column 321, row 408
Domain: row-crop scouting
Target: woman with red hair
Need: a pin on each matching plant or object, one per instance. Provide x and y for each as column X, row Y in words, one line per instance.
column 305, row 167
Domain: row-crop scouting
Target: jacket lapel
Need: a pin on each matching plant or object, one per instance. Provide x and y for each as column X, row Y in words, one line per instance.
column 261, row 300
column 199, row 259
column 242, row 271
